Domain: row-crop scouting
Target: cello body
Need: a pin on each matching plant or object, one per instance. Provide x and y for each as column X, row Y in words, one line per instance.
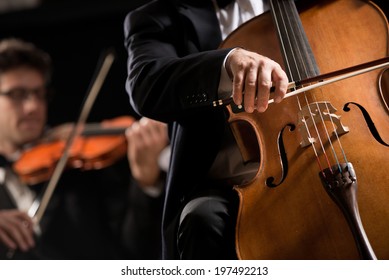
column 286, row 212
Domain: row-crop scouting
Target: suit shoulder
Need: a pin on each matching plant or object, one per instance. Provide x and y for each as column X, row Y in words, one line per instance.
column 157, row 10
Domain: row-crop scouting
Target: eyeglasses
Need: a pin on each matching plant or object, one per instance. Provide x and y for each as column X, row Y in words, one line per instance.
column 22, row 94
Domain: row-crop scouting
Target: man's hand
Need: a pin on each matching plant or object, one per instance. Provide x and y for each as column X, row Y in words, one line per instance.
column 146, row 139
column 254, row 75
column 16, row 230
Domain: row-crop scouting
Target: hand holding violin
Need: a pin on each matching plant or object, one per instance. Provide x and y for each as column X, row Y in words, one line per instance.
column 146, row 139
column 254, row 75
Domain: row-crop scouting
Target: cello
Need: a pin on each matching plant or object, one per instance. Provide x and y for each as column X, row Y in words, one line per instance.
column 322, row 187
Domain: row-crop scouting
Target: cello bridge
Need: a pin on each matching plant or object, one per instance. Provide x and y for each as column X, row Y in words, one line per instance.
column 316, row 113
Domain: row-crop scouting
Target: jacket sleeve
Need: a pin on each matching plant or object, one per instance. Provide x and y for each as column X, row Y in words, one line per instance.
column 161, row 83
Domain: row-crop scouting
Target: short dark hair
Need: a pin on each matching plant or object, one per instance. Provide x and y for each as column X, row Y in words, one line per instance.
column 15, row 53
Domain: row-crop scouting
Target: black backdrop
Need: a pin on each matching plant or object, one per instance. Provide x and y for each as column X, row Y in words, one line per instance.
column 75, row 32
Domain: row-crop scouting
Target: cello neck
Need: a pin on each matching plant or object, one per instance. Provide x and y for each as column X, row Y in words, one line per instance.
column 297, row 53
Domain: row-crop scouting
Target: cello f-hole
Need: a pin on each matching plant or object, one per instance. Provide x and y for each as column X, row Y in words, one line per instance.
column 369, row 122
column 283, row 158
column 383, row 84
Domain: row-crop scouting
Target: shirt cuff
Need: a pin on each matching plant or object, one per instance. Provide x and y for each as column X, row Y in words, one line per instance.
column 225, row 84
column 154, row 190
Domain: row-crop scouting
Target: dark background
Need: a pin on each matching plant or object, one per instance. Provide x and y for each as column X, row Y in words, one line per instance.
column 75, row 33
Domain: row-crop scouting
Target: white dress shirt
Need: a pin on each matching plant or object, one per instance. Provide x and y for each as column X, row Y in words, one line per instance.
column 238, row 12
column 21, row 195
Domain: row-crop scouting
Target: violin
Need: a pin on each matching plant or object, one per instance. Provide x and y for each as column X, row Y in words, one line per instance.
column 98, row 146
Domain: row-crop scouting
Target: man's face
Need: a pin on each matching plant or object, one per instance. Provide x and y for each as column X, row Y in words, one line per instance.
column 22, row 106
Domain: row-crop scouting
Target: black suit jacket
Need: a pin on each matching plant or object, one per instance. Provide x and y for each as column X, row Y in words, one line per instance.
column 171, row 81
column 84, row 217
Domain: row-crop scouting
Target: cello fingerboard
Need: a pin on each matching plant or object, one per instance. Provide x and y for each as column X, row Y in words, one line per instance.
column 298, row 56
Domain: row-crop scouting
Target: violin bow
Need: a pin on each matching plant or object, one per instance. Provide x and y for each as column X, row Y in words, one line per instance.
column 324, row 79
column 39, row 206
column 335, row 76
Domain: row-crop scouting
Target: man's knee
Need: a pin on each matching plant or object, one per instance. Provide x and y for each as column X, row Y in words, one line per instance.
column 206, row 229
column 205, row 213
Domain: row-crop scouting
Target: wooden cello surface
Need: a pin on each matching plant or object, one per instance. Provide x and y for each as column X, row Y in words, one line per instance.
column 339, row 131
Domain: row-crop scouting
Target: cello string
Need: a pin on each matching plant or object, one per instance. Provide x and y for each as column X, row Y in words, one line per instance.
column 282, row 44
column 301, row 34
column 287, row 62
column 327, row 132
column 337, row 138
column 327, row 135
column 292, row 36
column 319, row 112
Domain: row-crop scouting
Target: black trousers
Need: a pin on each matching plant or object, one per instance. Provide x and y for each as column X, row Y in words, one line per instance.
column 207, row 226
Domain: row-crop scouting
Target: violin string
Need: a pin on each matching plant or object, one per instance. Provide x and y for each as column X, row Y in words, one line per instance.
column 294, row 78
